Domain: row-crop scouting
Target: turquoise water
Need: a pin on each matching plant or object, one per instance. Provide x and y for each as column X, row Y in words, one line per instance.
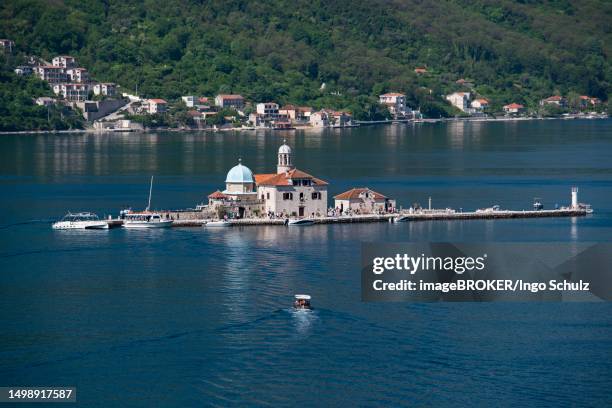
column 196, row 317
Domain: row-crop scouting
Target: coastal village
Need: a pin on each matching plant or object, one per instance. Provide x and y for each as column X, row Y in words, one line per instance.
column 107, row 106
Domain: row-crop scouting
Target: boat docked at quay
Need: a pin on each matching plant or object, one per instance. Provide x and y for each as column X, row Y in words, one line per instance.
column 81, row 220
column 146, row 218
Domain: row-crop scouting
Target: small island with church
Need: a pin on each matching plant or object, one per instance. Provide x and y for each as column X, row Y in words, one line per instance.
column 290, row 196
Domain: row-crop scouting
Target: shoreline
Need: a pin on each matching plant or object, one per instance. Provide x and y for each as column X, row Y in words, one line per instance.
column 307, row 128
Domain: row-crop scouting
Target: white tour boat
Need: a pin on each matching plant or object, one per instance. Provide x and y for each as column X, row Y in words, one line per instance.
column 145, row 219
column 82, row 220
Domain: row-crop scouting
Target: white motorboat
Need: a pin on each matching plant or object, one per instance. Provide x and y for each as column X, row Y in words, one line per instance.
column 301, row 222
column 82, row 220
column 221, row 223
column 145, row 219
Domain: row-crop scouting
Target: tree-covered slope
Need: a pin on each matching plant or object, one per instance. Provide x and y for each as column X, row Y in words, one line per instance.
column 284, row 50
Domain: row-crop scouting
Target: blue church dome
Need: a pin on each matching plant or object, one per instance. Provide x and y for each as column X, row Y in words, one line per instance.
column 239, row 174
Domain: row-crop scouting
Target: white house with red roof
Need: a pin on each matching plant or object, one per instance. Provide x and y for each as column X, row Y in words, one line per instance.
column 290, row 191
column 513, row 108
column 554, row 100
column 480, row 104
column 363, row 201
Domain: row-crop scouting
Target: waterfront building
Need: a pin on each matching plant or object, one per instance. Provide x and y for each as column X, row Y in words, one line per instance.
column 296, row 113
column 64, row 61
column 319, row 119
column 239, row 199
column 105, row 89
column 363, row 201
column 460, row 100
column 229, row 101
column 289, row 191
column 513, row 108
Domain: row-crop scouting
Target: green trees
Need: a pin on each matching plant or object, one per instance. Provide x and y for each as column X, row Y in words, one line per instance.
column 284, row 50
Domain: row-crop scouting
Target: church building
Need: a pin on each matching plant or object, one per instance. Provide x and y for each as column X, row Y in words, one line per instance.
column 291, row 191
column 287, row 192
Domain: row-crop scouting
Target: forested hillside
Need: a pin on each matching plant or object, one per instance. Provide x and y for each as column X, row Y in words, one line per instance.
column 284, row 50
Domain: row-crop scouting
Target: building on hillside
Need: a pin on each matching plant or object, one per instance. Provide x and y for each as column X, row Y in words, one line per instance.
column 7, row 45
column 229, row 101
column 153, row 106
column 396, row 103
column 64, row 61
column 514, row 109
column 479, row 105
column 77, row 74
column 44, row 101
column 105, row 89
column 23, row 70
column 72, row 92
column 420, row 70
column 291, row 192
column 554, row 100
column 460, row 100
column 190, row 101
column 51, row 74
column 363, row 201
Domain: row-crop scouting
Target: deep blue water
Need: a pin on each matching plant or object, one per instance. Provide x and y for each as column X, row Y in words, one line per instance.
column 192, row 317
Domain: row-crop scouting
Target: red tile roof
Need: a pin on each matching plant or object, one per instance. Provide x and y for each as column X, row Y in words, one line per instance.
column 157, row 101
column 554, row 98
column 282, row 179
column 514, row 106
column 217, row 195
column 355, row 192
column 393, row 94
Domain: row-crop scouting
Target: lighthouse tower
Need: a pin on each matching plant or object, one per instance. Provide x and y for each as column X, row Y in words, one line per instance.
column 285, row 159
column 574, row 197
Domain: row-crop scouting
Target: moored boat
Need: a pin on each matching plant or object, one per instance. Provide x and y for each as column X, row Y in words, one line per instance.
column 301, row 222
column 81, row 220
column 221, row 223
column 145, row 219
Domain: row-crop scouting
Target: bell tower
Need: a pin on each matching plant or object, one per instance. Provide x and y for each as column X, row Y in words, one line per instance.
column 285, row 159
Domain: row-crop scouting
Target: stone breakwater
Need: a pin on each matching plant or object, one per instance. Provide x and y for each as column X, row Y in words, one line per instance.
column 401, row 217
